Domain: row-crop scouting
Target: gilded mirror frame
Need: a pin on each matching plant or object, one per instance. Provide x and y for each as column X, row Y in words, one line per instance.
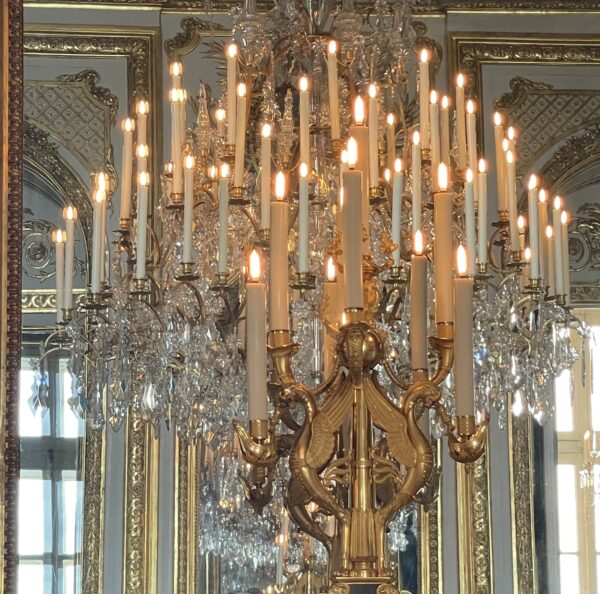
column 11, row 75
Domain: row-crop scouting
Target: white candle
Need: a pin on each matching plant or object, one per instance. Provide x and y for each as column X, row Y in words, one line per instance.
column 352, row 231
column 424, row 97
column 256, row 341
column 102, row 188
column 188, row 207
column 445, row 130
column 471, row 138
column 470, row 222
column 461, row 133
column 542, row 207
column 418, row 305
column 265, row 176
column 128, row 126
column 443, row 205
column 176, row 71
column 373, row 136
column 482, row 213
column 240, row 137
column 397, row 184
column 434, row 123
column 463, row 338
column 231, row 53
column 534, row 242
column 303, row 219
column 550, row 275
column 142, row 152
column 176, row 142
column 360, row 135
column 416, row 182
column 141, row 109
column 223, row 218
column 500, row 163
column 332, row 81
column 183, row 98
column 564, row 227
column 390, row 132
column 559, row 277
column 278, row 251
column 97, row 242
column 511, row 135
column 304, row 121
column 142, row 224
column 58, row 238
column 70, row 216
column 220, row 117
column 511, row 187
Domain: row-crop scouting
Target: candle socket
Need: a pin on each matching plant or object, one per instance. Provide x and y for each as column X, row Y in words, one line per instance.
column 420, row 375
column 482, row 271
column 354, row 315
column 264, row 237
column 229, row 153
column 141, row 287
column 95, row 301
column 281, row 350
column 259, row 429
column 187, row 272
column 534, row 287
column 303, row 281
column 397, row 276
column 175, row 200
column 336, row 146
column 443, row 344
column 222, row 282
column 376, row 194
column 503, row 216
column 236, row 196
column 67, row 315
column 466, row 426
column 426, row 156
column 561, row 300
column 124, row 225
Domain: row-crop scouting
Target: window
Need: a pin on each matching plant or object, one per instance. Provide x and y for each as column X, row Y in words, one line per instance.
column 50, row 485
column 578, row 411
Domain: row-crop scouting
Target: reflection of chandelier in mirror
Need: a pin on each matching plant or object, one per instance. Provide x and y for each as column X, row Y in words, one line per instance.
column 372, row 196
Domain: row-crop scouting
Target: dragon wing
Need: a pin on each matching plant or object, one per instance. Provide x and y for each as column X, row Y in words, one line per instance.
column 324, row 426
column 392, row 421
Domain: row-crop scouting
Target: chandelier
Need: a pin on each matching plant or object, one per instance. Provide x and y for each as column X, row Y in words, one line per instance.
column 317, row 265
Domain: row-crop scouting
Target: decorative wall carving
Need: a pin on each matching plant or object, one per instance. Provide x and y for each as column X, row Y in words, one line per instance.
column 38, row 301
column 78, row 113
column 194, row 29
column 42, row 155
column 480, row 522
column 546, row 116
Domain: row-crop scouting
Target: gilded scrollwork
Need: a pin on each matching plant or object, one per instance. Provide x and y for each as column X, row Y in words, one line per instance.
column 193, row 30
column 480, row 519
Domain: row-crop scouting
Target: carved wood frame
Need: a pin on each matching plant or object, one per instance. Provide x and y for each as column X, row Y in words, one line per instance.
column 11, row 119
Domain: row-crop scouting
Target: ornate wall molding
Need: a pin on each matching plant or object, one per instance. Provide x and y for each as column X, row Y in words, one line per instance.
column 193, row 31
column 78, row 113
column 480, row 523
column 42, row 156
column 41, row 301
column 11, row 118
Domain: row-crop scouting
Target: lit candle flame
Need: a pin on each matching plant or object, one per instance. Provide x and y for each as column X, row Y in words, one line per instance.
column 280, row 185
column 142, row 107
column 418, row 243
column 220, row 114
column 549, row 232
column 398, row 165
column 232, row 50
column 460, row 80
column 511, row 133
column 142, row 151
column 352, row 151
column 391, row 119
column 527, row 254
column 445, row 102
column 266, row 130
column 564, row 217
column 461, row 260
column 332, row 47
column 387, row 175
column 424, row 55
column 443, row 177
column 344, row 157
column 144, row 178
column 433, row 97
column 482, row 166
column 241, row 90
column 254, row 268
column 303, row 83
column 509, row 157
column 521, row 223
column 330, row 269
column 359, row 111
column 469, row 176
column 70, row 213
column 497, row 118
column 303, row 170
column 542, row 196
column 505, row 144
column 189, row 162
column 224, row 170
column 416, row 137
column 176, row 69
column 213, row 172
column 532, row 182
column 372, row 90
column 470, row 106
column 58, row 236
column 344, row 318
column 557, row 203
column 128, row 125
